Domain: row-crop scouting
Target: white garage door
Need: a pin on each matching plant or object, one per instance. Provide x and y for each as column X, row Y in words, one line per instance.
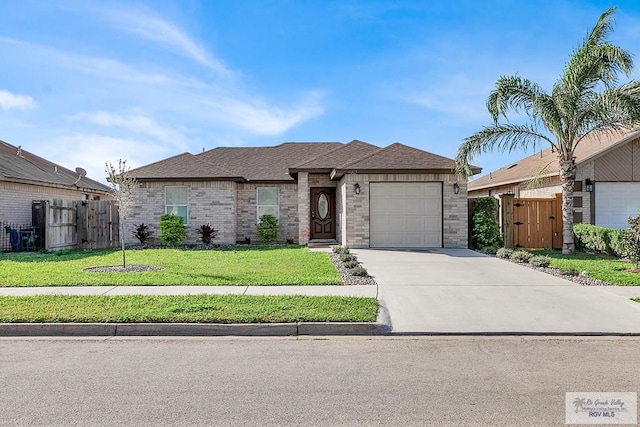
column 615, row 202
column 405, row 215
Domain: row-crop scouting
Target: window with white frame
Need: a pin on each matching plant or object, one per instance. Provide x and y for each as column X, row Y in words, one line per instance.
column 268, row 201
column 175, row 202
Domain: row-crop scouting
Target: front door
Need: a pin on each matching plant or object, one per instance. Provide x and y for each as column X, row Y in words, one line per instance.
column 323, row 213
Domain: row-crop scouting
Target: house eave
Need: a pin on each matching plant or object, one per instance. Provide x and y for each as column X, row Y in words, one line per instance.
column 339, row 173
column 54, row 185
column 508, row 182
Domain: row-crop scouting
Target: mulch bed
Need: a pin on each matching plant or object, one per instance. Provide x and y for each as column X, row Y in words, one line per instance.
column 121, row 269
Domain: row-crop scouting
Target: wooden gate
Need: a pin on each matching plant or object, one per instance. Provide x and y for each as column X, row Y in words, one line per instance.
column 87, row 224
column 533, row 223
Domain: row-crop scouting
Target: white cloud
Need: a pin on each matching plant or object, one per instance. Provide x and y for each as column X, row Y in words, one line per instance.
column 259, row 118
column 134, row 122
column 9, row 100
column 158, row 30
column 91, row 152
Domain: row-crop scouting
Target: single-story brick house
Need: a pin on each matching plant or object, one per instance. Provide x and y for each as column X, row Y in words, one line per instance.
column 607, row 188
column 355, row 194
column 25, row 177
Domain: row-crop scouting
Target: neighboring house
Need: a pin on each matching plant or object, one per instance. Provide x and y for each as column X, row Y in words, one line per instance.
column 607, row 188
column 355, row 194
column 25, row 178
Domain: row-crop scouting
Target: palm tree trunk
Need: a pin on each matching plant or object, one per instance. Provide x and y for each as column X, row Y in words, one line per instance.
column 567, row 178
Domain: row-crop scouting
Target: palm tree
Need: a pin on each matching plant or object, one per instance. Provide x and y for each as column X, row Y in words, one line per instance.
column 585, row 100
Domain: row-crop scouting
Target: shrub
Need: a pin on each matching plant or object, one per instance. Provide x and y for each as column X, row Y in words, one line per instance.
column 142, row 233
column 568, row 271
column 351, row 264
column 358, row 271
column 268, row 229
column 599, row 239
column 347, row 257
column 504, row 253
column 172, row 232
column 489, row 250
column 540, row 261
column 631, row 240
column 521, row 256
column 207, row 233
column 484, row 220
column 336, row 249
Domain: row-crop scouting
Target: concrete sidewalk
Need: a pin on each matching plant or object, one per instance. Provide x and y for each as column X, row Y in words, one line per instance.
column 370, row 291
column 459, row 291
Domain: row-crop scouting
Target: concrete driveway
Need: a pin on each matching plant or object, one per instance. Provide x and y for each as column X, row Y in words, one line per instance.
column 462, row 291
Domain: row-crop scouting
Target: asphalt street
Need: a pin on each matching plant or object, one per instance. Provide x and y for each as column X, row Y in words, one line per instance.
column 443, row 381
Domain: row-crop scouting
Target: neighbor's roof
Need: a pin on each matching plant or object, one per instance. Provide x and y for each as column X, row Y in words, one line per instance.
column 19, row 165
column 545, row 162
column 281, row 162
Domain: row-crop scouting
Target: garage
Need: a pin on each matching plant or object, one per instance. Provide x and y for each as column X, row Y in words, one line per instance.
column 405, row 215
column 615, row 202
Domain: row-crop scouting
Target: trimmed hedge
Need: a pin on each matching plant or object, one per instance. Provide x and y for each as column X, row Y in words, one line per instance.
column 599, row 239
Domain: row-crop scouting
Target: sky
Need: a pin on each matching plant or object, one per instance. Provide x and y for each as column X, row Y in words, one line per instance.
column 88, row 82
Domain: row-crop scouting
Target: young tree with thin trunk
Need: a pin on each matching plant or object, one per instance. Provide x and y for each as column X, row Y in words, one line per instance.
column 122, row 186
column 585, row 100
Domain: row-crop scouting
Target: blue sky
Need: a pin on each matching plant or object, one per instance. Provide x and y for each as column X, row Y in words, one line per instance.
column 83, row 82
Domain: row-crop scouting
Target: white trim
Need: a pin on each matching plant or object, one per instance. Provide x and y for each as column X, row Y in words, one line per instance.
column 186, row 205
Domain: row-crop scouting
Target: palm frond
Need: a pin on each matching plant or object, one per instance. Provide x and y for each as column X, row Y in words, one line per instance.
column 540, row 177
column 504, row 137
column 512, row 93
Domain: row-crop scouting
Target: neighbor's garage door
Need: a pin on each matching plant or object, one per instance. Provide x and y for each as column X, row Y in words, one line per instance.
column 406, row 215
column 615, row 202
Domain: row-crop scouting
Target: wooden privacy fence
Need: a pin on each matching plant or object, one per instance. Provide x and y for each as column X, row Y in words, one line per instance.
column 532, row 223
column 86, row 224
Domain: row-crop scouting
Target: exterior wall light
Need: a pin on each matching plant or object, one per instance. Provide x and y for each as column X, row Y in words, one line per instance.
column 356, row 188
column 456, row 188
column 588, row 185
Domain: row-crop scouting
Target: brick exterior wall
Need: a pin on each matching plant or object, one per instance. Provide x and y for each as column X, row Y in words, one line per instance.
column 583, row 171
column 247, row 212
column 16, row 199
column 355, row 224
column 211, row 202
column 303, row 207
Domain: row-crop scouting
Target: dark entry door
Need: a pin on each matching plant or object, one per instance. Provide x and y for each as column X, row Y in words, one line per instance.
column 323, row 213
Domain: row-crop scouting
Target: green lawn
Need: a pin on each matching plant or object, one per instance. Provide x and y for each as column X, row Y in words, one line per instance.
column 606, row 268
column 186, row 309
column 239, row 266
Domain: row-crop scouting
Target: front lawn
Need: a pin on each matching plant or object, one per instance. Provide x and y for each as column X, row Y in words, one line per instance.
column 603, row 267
column 238, row 266
column 186, row 309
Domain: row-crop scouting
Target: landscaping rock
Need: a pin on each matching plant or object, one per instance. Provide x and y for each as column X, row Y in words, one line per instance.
column 347, row 277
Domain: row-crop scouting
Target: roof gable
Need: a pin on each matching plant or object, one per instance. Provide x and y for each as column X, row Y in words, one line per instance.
column 338, row 157
column 19, row 165
column 401, row 157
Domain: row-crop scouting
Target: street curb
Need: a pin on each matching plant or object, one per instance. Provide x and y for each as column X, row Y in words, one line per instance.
column 190, row 329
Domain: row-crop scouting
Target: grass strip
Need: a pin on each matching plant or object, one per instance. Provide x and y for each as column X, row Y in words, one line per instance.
column 603, row 267
column 238, row 266
column 186, row 309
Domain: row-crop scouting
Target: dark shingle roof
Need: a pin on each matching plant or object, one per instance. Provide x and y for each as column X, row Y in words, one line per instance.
column 266, row 163
column 183, row 166
column 402, row 158
column 338, row 157
column 547, row 160
column 19, row 165
column 277, row 163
